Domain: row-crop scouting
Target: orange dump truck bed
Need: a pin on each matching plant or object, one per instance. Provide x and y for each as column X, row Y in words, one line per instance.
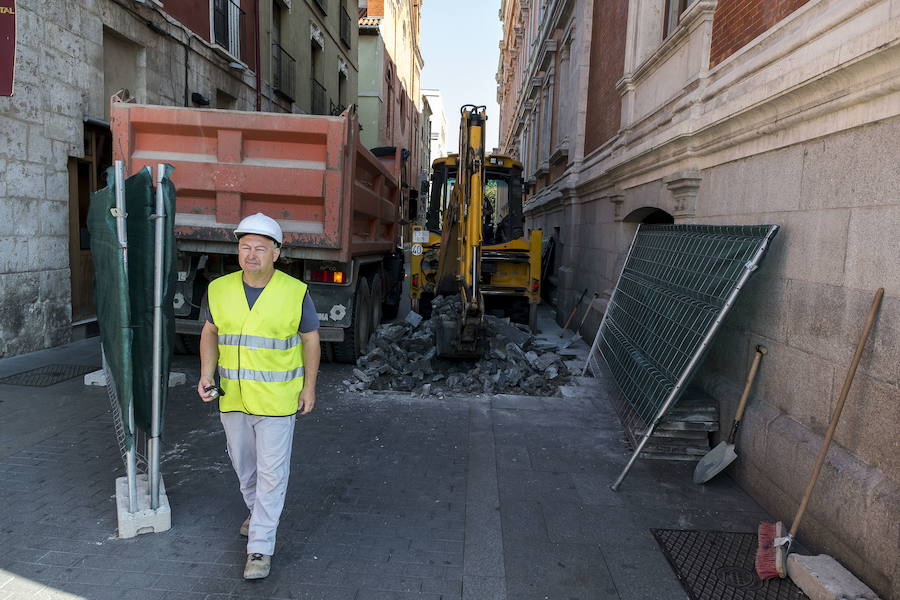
column 333, row 198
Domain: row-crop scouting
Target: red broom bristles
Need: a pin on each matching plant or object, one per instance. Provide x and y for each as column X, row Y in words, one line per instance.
column 766, row 551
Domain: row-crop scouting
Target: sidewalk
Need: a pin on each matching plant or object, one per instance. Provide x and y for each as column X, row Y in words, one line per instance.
column 391, row 497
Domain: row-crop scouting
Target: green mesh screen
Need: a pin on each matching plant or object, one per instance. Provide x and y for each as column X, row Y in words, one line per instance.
column 675, row 285
column 125, row 296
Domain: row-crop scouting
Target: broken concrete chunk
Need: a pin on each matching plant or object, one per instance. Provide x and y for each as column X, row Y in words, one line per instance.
column 547, row 359
column 402, row 356
column 533, row 382
column 413, row 318
column 821, row 577
column 363, row 376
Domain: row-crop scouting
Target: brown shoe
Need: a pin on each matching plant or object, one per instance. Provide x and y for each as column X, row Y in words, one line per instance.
column 258, row 566
column 245, row 527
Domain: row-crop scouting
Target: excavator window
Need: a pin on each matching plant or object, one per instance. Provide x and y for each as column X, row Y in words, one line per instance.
column 503, row 188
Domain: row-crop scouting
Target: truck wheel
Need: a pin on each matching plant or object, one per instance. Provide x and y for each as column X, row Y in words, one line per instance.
column 389, row 311
column 425, row 305
column 377, row 297
column 187, row 344
column 357, row 335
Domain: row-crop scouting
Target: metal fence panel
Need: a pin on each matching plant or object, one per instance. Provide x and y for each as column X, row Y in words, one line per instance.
column 676, row 286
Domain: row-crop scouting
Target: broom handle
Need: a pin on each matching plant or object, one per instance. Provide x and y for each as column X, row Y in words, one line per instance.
column 848, row 380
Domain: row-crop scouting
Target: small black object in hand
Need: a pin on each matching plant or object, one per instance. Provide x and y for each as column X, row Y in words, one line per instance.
column 214, row 391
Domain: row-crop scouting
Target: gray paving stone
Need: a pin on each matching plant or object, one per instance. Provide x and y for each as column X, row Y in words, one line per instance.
column 390, row 497
column 477, row 588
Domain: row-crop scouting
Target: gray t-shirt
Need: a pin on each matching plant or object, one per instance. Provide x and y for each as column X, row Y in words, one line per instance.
column 309, row 320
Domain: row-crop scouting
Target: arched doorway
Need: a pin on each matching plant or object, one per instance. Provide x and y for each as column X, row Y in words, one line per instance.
column 649, row 215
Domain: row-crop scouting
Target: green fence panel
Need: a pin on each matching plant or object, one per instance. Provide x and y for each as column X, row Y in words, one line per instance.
column 112, row 298
column 672, row 289
column 125, row 297
column 141, row 206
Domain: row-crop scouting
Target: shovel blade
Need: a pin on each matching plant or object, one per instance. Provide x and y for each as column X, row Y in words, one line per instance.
column 570, row 341
column 714, row 462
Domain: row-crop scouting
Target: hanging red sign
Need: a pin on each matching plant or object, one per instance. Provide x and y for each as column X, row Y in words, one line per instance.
column 7, row 46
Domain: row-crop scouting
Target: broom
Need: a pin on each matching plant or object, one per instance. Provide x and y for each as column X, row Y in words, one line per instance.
column 771, row 555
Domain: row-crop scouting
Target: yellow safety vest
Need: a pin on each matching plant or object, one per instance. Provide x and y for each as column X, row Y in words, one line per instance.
column 260, row 350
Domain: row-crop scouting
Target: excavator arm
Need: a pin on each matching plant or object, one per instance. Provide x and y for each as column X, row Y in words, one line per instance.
column 459, row 264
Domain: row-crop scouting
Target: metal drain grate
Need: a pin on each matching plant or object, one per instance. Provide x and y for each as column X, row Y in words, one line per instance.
column 48, row 375
column 719, row 565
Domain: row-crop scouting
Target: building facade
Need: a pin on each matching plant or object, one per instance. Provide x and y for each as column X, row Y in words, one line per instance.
column 740, row 112
column 390, row 101
column 438, row 145
column 309, row 54
column 55, row 143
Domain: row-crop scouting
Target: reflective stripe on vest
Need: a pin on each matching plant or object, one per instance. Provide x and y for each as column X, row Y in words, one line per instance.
column 256, row 341
column 260, row 352
column 266, row 376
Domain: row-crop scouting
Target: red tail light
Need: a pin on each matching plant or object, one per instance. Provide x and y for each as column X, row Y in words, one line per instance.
column 535, row 285
column 415, row 281
column 326, row 276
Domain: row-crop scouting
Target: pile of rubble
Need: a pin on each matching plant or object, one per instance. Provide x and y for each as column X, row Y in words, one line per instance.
column 402, row 356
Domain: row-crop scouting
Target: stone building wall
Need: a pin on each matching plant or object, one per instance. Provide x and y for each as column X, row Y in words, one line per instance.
column 797, row 128
column 60, row 81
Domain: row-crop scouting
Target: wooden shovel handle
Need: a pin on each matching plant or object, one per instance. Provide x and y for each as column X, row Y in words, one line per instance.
column 587, row 311
column 848, row 380
column 572, row 314
column 748, row 385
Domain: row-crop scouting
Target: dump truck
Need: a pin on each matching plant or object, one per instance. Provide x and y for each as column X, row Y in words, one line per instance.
column 338, row 204
column 474, row 244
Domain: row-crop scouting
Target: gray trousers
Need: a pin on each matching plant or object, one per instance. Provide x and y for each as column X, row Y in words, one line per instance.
column 260, row 451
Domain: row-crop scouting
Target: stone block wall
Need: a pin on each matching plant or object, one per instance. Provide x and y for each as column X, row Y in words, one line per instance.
column 59, row 80
column 839, row 212
column 807, row 305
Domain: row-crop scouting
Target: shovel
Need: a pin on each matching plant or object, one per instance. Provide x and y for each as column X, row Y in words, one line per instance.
column 577, row 335
column 572, row 314
column 723, row 455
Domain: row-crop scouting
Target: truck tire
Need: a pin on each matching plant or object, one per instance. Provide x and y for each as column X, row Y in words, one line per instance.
column 357, row 335
column 377, row 297
column 389, row 311
column 187, row 344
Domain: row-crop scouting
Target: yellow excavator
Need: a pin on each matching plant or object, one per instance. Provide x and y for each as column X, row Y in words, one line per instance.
column 474, row 245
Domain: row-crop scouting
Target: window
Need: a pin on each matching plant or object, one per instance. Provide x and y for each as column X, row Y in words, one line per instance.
column 318, row 100
column 283, row 64
column 342, row 91
column 346, row 27
column 228, row 26
column 389, row 103
column 674, row 8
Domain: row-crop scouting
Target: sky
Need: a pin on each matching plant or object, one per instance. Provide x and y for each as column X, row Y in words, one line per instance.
column 460, row 46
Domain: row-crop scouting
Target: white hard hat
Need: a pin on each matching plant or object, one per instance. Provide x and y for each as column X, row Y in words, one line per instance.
column 259, row 224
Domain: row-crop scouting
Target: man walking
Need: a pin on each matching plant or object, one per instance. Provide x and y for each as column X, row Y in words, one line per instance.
column 267, row 373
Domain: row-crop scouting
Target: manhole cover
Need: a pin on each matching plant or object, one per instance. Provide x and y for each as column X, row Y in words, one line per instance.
column 719, row 565
column 48, row 375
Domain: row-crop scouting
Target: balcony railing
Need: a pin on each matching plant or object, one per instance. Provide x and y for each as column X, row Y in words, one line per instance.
column 336, row 109
column 228, row 27
column 283, row 68
column 345, row 27
column 323, row 4
column 319, row 104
